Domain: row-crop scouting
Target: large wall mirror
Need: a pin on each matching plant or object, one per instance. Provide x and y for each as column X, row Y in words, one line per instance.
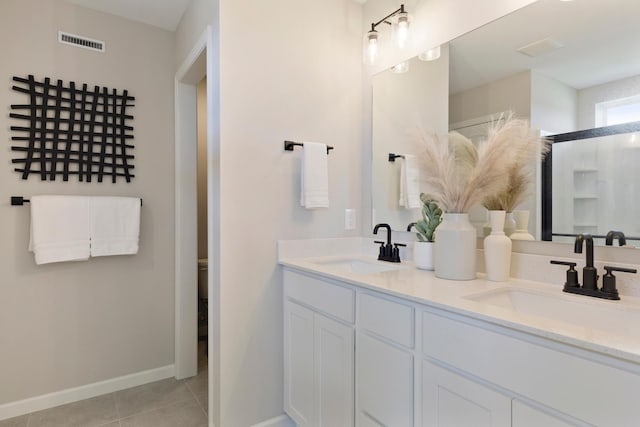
column 567, row 67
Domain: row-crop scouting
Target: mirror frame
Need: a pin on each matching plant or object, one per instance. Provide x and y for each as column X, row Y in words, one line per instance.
column 547, row 173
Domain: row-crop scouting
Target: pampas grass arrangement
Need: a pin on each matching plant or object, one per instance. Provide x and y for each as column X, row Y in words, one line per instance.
column 528, row 147
column 497, row 173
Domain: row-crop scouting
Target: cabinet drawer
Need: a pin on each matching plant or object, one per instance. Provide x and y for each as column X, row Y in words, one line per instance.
column 388, row 319
column 323, row 295
column 543, row 372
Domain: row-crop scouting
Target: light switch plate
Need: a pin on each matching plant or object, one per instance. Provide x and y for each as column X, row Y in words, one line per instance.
column 349, row 219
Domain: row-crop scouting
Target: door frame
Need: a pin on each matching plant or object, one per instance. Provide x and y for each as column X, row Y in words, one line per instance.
column 198, row 64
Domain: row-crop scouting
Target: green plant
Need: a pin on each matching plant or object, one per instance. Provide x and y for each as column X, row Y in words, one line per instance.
column 431, row 217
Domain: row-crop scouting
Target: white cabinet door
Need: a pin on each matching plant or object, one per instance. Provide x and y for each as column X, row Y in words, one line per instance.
column 334, row 373
column 384, row 387
column 451, row 400
column 318, row 369
column 524, row 415
column 298, row 364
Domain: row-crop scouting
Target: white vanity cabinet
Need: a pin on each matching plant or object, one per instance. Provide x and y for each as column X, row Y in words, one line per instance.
column 355, row 356
column 318, row 352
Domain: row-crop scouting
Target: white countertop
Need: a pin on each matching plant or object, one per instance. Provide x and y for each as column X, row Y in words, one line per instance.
column 425, row 288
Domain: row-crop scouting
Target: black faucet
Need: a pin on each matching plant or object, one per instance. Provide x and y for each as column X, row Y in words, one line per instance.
column 589, row 272
column 389, row 251
column 613, row 235
column 410, row 226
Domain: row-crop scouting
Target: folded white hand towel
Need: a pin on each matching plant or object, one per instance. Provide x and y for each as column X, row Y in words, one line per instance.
column 314, row 176
column 409, row 182
column 59, row 228
column 115, row 225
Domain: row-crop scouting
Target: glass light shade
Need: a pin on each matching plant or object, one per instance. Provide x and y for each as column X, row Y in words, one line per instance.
column 400, row 29
column 430, row 55
column 400, row 68
column 370, row 47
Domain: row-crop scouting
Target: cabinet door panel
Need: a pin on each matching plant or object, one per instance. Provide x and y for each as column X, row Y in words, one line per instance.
column 334, row 362
column 384, row 383
column 449, row 399
column 298, row 362
column 525, row 416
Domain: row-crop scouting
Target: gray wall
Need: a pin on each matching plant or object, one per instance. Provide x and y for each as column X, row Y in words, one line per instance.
column 68, row 324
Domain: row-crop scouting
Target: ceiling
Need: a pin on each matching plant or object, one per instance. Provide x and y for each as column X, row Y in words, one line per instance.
column 601, row 41
column 165, row 14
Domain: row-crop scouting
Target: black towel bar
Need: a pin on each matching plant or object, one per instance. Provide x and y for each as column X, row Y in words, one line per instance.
column 288, row 146
column 19, row 201
column 393, row 157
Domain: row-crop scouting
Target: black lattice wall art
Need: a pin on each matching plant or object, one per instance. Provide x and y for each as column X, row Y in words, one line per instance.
column 72, row 130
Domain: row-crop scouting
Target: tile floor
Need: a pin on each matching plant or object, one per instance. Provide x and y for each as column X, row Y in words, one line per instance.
column 165, row 403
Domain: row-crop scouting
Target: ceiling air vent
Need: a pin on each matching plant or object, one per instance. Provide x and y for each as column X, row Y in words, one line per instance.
column 80, row 41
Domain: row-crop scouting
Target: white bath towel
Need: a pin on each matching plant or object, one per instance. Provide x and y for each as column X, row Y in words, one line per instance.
column 59, row 228
column 314, row 176
column 115, row 225
column 409, row 182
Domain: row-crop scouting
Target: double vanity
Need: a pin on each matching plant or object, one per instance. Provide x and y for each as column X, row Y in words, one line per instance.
column 372, row 343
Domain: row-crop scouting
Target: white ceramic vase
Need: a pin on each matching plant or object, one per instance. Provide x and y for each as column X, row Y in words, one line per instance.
column 509, row 224
column 455, row 248
column 497, row 249
column 522, row 226
column 423, row 255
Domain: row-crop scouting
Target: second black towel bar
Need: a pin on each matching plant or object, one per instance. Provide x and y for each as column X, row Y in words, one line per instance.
column 19, row 201
column 288, row 146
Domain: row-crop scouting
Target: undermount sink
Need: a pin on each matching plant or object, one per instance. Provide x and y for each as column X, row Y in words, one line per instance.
column 360, row 266
column 608, row 316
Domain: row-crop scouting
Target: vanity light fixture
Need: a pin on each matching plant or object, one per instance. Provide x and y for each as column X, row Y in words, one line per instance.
column 400, row 22
column 430, row 55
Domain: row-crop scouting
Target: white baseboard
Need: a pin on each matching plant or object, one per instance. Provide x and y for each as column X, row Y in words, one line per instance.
column 45, row 401
column 279, row 421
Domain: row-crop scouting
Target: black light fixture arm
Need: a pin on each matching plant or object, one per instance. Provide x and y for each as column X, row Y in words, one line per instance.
column 392, row 14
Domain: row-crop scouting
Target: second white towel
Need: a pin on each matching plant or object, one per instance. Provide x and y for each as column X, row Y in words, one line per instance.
column 314, row 176
column 115, row 225
column 409, row 182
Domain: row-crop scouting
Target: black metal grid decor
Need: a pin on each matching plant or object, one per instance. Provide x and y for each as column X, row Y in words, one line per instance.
column 72, row 130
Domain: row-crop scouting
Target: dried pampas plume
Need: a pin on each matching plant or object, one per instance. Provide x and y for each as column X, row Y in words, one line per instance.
column 457, row 175
column 527, row 147
column 497, row 174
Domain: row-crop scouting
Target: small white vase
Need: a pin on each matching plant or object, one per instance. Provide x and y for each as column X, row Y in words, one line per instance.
column 455, row 248
column 497, row 249
column 522, row 226
column 423, row 255
column 509, row 224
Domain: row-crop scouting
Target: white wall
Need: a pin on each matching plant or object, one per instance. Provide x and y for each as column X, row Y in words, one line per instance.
column 298, row 81
column 69, row 324
column 512, row 93
column 589, row 97
column 553, row 105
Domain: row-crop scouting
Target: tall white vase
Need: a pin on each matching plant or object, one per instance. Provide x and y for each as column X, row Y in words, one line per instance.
column 455, row 248
column 497, row 249
column 509, row 224
column 522, row 226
